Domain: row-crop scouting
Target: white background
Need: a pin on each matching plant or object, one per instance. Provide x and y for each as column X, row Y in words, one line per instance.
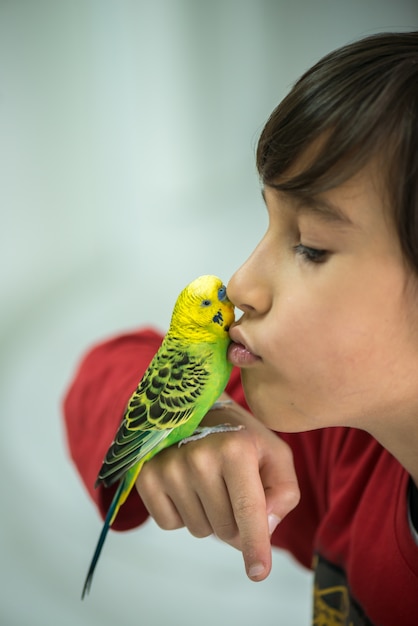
column 127, row 138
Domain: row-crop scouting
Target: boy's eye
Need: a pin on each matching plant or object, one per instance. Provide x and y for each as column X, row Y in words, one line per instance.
column 311, row 255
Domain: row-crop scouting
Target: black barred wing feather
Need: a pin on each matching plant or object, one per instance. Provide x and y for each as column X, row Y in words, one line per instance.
column 164, row 400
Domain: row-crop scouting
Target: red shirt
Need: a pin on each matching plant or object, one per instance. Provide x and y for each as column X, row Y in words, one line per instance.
column 352, row 521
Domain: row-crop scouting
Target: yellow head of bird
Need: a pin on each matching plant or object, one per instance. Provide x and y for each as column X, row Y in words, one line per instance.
column 203, row 311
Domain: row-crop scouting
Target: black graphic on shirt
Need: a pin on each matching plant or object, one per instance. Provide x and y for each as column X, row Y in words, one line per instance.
column 333, row 604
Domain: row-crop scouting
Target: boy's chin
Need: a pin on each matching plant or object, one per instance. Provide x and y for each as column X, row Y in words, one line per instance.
column 275, row 414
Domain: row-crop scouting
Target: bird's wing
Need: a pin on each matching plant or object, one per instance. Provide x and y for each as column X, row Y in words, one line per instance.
column 168, row 392
column 164, row 400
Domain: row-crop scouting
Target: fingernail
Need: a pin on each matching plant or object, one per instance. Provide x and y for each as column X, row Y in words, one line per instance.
column 273, row 522
column 256, row 570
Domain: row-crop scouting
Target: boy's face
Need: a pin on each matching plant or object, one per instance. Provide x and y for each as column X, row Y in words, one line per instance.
column 328, row 335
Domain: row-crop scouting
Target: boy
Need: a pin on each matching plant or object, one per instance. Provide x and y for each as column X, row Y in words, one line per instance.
column 328, row 351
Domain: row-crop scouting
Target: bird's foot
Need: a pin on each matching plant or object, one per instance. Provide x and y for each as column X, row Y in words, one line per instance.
column 221, row 404
column 204, row 431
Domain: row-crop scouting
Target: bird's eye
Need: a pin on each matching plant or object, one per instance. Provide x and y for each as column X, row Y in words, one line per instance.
column 206, row 302
column 222, row 293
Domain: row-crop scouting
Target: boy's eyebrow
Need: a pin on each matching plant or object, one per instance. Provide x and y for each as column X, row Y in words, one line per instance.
column 304, row 203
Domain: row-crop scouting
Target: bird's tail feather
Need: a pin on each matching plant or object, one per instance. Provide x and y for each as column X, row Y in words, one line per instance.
column 113, row 508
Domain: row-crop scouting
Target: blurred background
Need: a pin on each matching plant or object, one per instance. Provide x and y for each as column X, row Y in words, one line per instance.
column 127, row 138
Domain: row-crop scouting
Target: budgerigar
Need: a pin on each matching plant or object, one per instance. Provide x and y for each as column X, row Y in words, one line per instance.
column 183, row 381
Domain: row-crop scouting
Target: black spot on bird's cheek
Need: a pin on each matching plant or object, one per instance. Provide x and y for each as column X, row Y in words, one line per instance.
column 218, row 318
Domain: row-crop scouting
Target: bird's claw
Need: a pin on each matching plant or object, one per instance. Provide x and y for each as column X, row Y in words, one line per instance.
column 202, row 432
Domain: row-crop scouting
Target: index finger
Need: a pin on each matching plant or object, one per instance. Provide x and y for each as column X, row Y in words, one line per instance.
column 247, row 497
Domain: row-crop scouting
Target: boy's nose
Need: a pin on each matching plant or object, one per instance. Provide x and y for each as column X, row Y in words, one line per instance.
column 249, row 289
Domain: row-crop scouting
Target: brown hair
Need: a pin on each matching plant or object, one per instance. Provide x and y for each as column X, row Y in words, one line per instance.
column 362, row 99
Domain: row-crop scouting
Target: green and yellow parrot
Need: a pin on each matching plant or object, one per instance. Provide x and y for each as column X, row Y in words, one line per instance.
column 182, row 382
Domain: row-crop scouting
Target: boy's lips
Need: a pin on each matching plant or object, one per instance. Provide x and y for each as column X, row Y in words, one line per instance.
column 239, row 353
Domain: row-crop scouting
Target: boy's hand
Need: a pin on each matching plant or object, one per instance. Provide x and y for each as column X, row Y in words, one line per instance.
column 236, row 485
